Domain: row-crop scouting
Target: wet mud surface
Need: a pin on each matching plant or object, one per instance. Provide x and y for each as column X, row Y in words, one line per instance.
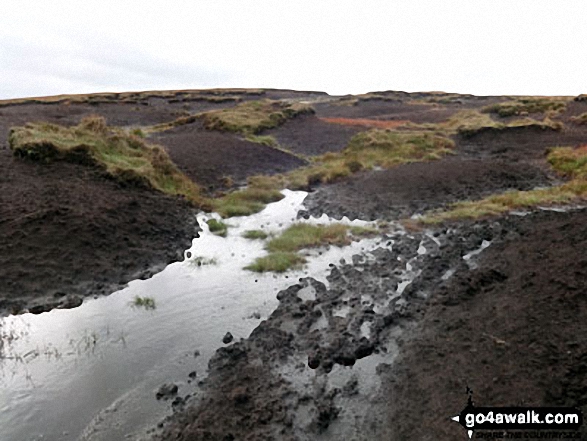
column 415, row 188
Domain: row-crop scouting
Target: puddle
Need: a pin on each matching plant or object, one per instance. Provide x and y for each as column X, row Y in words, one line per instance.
column 468, row 257
column 104, row 361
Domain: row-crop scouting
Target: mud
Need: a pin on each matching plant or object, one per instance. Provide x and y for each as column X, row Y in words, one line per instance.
column 301, row 369
column 418, row 187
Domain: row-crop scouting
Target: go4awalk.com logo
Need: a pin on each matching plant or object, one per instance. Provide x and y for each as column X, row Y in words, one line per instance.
column 560, row 422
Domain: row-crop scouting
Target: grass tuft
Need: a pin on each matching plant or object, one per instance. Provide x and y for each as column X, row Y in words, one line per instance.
column 283, row 249
column 255, row 234
column 278, row 262
column 144, row 302
column 217, row 227
column 261, row 191
column 301, row 235
column 524, row 106
column 580, row 119
column 252, row 117
column 567, row 161
column 125, row 157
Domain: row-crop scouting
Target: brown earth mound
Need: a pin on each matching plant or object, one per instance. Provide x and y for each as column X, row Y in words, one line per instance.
column 69, row 231
column 511, row 331
column 414, row 188
column 208, row 156
column 309, row 135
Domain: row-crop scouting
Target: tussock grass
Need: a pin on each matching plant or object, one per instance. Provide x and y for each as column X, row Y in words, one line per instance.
column 283, row 249
column 212, row 95
column 301, row 235
column 255, row 234
column 217, row 227
column 468, row 123
column 524, row 106
column 261, row 191
column 567, row 161
column 580, row 119
column 278, row 262
column 266, row 140
column 252, row 117
column 124, row 156
column 376, row 147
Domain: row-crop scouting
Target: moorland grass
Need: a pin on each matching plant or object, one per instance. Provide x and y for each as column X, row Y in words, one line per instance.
column 217, row 227
column 567, row 161
column 301, row 235
column 252, row 117
column 255, row 234
column 277, row 262
column 468, row 123
column 124, row 156
column 580, row 119
column 376, row 147
column 283, row 249
column 522, row 106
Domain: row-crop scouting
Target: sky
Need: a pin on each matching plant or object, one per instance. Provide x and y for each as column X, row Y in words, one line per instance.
column 483, row 47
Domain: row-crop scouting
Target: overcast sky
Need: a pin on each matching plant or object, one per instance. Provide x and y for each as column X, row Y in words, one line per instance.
column 467, row 46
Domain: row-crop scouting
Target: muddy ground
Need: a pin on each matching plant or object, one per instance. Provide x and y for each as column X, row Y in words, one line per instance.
column 501, row 323
column 387, row 349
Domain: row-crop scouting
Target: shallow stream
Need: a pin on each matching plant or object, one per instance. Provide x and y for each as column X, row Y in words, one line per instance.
column 92, row 372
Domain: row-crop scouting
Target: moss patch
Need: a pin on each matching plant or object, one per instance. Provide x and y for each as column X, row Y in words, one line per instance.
column 276, row 262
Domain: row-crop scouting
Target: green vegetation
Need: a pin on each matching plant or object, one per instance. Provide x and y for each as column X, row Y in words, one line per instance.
column 144, row 302
column 366, row 231
column 468, row 123
column 255, row 234
column 276, row 262
column 201, row 261
column 376, row 147
column 125, row 157
column 569, row 162
column 261, row 190
column 251, row 117
column 217, row 227
column 524, row 106
column 580, row 119
column 266, row 140
column 211, row 95
column 283, row 249
column 301, row 235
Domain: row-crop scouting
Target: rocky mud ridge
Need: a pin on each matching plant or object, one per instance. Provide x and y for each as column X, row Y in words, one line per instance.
column 311, row 370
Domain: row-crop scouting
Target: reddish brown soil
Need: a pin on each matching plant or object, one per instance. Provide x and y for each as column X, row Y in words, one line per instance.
column 365, row 122
column 512, row 331
column 209, row 156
